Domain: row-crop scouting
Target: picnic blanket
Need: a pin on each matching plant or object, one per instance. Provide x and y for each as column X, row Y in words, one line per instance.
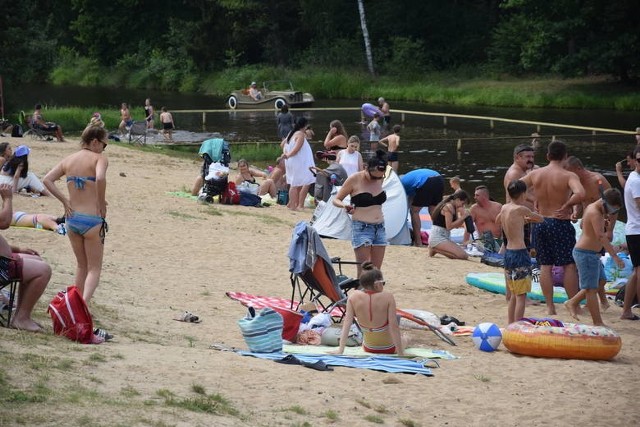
column 259, row 302
column 377, row 363
column 358, row 351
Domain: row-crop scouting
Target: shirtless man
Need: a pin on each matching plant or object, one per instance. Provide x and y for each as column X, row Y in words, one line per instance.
column 522, row 164
column 557, row 191
column 594, row 186
column 392, row 142
column 587, row 252
column 23, row 263
column 484, row 212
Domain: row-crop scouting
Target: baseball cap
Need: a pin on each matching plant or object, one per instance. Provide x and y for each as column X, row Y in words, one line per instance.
column 22, row 150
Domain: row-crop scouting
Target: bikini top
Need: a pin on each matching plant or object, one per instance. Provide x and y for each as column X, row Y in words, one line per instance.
column 440, row 220
column 79, row 181
column 371, row 308
column 363, row 200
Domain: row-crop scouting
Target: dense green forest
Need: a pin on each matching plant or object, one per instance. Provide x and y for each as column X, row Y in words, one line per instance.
column 190, row 45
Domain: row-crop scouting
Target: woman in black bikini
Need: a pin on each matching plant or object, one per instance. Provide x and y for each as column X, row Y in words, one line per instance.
column 247, row 174
column 450, row 213
column 368, row 236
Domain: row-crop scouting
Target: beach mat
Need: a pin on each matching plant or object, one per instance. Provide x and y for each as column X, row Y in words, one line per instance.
column 377, row 363
column 358, row 351
column 182, row 194
column 495, row 282
column 259, row 302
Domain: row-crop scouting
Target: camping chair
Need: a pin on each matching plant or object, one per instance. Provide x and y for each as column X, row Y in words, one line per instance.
column 36, row 132
column 313, row 277
column 6, row 310
column 138, row 132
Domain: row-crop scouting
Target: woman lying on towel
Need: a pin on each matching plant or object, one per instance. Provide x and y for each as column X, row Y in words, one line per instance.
column 44, row 221
column 375, row 310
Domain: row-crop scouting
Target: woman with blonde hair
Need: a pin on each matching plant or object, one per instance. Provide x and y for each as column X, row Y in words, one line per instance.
column 375, row 310
column 86, row 207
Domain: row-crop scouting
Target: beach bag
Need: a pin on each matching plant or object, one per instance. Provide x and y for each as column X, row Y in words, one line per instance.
column 613, row 272
column 71, row 317
column 262, row 332
column 331, row 336
column 248, row 199
column 16, row 132
column 249, row 187
column 291, row 323
column 283, row 197
column 620, row 297
column 230, row 196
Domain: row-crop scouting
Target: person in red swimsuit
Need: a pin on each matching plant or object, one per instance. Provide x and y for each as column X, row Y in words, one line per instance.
column 375, row 310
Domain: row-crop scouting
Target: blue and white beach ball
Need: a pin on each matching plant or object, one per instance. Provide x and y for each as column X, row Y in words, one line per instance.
column 487, row 336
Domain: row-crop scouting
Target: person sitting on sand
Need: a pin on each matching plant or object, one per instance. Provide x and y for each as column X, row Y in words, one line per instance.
column 15, row 171
column 375, row 311
column 24, row 264
column 450, row 213
column 586, row 253
column 517, row 261
column 247, row 176
column 40, row 221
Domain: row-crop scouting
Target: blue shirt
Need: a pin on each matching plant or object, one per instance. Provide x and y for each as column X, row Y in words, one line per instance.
column 415, row 179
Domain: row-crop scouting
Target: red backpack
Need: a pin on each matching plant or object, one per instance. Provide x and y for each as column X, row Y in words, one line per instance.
column 71, row 317
column 231, row 195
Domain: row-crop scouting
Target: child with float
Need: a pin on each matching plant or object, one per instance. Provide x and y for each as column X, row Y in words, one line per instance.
column 586, row 253
column 517, row 261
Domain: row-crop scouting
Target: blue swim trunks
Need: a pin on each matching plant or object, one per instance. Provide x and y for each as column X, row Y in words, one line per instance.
column 589, row 267
column 80, row 223
column 554, row 241
column 365, row 234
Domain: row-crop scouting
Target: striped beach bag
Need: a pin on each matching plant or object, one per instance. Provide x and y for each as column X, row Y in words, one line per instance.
column 263, row 331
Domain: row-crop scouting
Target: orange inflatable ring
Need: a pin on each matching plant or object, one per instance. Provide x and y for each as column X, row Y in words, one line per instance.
column 573, row 341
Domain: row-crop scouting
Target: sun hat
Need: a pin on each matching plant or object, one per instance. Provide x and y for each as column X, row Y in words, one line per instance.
column 22, row 150
column 253, row 83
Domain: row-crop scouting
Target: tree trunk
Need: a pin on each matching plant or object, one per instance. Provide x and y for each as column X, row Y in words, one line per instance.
column 365, row 36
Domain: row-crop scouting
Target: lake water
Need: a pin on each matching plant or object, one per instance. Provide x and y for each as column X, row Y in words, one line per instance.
column 485, row 153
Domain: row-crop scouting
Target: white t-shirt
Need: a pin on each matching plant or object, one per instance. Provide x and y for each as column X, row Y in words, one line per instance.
column 631, row 192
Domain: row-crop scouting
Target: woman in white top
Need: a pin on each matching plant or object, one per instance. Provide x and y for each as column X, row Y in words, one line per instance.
column 298, row 158
column 351, row 159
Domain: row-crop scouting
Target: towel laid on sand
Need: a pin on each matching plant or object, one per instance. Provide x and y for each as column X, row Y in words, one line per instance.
column 377, row 363
column 358, row 351
column 258, row 302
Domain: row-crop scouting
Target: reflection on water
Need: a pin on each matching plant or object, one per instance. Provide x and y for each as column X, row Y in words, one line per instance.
column 484, row 156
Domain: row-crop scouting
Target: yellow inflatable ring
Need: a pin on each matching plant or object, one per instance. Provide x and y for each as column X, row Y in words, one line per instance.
column 573, row 341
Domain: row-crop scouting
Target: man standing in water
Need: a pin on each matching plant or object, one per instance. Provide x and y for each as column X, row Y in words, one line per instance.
column 557, row 190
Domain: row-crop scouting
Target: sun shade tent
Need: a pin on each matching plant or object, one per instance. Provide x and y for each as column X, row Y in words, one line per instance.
column 334, row 222
column 313, row 277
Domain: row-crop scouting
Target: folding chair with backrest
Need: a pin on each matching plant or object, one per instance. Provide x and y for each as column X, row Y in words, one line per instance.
column 6, row 309
column 36, row 132
column 138, row 132
column 313, row 277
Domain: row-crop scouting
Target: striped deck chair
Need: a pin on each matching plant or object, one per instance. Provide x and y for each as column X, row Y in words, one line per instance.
column 313, row 277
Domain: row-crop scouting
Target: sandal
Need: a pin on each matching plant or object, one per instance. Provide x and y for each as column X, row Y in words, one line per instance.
column 101, row 333
column 188, row 317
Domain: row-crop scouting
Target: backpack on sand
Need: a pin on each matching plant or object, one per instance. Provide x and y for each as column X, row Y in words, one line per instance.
column 16, row 132
column 71, row 317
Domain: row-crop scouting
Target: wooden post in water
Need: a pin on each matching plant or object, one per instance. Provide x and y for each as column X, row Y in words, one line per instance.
column 491, row 124
column 444, row 121
column 204, row 120
column 459, row 147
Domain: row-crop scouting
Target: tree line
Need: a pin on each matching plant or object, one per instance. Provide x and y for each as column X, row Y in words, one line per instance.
column 170, row 43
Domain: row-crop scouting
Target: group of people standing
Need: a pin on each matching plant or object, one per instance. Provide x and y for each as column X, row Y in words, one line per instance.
column 166, row 119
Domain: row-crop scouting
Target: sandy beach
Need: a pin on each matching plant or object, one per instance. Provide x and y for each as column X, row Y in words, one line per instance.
column 165, row 254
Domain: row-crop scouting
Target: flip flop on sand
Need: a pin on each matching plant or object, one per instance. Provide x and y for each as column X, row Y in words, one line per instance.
column 188, row 317
column 634, row 317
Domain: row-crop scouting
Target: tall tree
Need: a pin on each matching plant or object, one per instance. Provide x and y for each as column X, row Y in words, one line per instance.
column 365, row 36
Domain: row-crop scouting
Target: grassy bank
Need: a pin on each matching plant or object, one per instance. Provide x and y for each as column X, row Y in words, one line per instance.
column 463, row 87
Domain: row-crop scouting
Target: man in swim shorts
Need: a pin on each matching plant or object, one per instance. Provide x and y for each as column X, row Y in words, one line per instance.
column 557, row 191
column 517, row 261
column 424, row 187
column 484, row 212
column 21, row 264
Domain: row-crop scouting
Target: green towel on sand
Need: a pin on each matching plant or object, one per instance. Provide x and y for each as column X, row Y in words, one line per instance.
column 359, row 352
column 182, row 194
